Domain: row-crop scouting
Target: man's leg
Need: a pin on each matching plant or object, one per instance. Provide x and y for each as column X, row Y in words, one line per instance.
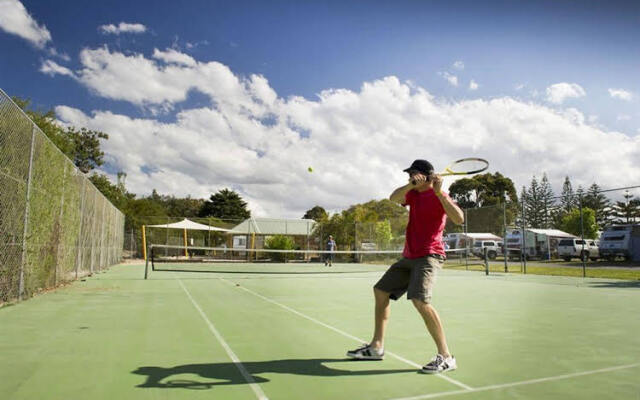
column 434, row 325
column 382, row 312
column 375, row 349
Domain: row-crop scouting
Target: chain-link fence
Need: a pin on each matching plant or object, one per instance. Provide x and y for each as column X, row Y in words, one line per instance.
column 563, row 235
column 54, row 224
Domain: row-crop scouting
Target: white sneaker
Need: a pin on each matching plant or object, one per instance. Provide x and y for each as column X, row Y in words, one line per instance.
column 440, row 364
column 366, row 352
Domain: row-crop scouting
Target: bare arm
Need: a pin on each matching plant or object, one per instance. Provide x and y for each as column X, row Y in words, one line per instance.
column 398, row 195
column 454, row 212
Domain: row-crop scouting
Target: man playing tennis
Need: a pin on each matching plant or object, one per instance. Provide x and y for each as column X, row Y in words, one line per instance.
column 415, row 273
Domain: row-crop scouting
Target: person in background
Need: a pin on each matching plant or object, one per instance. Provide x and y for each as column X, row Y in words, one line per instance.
column 330, row 247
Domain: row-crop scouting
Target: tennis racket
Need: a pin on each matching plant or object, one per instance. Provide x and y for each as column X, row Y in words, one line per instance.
column 464, row 166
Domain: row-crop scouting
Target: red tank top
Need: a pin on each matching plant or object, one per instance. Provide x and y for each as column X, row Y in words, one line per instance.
column 427, row 219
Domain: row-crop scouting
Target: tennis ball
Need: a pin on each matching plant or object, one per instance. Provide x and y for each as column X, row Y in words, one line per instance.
column 310, row 169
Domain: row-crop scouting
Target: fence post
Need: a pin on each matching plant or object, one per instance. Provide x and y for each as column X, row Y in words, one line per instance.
column 60, row 227
column 466, row 240
column 582, row 258
column 486, row 260
column 94, row 223
column 79, row 246
column 504, row 236
column 523, row 252
column 102, row 229
column 25, row 229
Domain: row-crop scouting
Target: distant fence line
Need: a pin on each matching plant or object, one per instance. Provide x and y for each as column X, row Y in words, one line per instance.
column 55, row 226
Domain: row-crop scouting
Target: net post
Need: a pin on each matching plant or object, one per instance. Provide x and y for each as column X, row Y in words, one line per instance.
column 144, row 243
column 184, row 235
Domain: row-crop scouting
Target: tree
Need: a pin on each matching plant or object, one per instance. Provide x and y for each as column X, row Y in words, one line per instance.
column 627, row 211
column 571, row 223
column 383, row 234
column 81, row 146
column 483, row 198
column 86, row 148
column 186, row 207
column 317, row 214
column 483, row 190
column 546, row 201
column 568, row 199
column 117, row 194
column 144, row 207
column 600, row 204
column 226, row 204
column 360, row 222
column 279, row 242
column 46, row 121
column 533, row 206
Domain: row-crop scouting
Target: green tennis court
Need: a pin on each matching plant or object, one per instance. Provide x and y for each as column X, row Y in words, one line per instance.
column 281, row 332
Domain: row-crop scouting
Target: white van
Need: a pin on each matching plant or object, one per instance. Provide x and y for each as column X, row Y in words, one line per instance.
column 616, row 242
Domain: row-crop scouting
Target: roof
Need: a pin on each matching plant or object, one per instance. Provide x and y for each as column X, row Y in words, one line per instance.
column 275, row 226
column 548, row 232
column 551, row 232
column 474, row 235
column 188, row 224
column 482, row 236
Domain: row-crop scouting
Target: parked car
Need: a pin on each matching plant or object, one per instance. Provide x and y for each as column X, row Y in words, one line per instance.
column 577, row 248
column 494, row 248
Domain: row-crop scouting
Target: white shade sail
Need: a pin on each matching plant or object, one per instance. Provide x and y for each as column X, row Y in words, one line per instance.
column 188, row 224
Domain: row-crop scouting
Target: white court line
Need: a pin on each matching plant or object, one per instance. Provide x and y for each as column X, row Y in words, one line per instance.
column 521, row 383
column 413, row 364
column 247, row 376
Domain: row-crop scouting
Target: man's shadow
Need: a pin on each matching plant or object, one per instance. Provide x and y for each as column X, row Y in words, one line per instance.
column 228, row 373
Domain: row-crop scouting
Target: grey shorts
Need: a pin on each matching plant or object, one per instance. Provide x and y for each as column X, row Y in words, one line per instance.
column 414, row 276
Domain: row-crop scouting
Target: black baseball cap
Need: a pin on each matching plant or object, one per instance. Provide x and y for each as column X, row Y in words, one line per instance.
column 422, row 166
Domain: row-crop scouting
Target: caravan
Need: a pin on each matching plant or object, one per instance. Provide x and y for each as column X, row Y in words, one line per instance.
column 616, row 241
column 540, row 243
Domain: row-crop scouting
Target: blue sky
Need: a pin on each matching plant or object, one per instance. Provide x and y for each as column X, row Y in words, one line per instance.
column 550, row 68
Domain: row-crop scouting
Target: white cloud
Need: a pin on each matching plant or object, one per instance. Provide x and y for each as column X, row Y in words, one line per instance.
column 559, row 92
column 357, row 142
column 519, row 86
column 171, row 56
column 623, row 117
column 459, row 65
column 51, row 68
column 55, row 53
column 122, row 27
column 15, row 19
column 473, row 85
column 621, row 94
column 452, row 79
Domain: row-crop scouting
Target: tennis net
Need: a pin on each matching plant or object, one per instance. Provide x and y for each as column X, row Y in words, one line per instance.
column 272, row 261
